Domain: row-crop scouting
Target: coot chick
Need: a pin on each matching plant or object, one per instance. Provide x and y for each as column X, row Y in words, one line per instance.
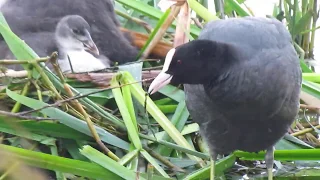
column 29, row 16
column 76, row 49
column 242, row 81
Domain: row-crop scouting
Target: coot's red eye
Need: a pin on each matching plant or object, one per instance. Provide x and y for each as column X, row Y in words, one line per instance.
column 179, row 61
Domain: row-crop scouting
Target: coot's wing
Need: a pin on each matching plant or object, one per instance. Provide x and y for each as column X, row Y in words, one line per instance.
column 267, row 61
column 42, row 43
column 248, row 34
column 259, row 87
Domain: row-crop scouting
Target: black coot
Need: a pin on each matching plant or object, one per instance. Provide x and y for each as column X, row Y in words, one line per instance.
column 242, row 80
column 30, row 16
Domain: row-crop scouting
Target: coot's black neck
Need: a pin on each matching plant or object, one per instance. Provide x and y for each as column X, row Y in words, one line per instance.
column 217, row 59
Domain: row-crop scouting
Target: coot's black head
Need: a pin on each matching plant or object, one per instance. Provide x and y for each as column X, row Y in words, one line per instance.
column 73, row 33
column 190, row 63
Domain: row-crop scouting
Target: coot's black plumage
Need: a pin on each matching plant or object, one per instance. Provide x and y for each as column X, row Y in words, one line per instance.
column 242, row 81
column 26, row 16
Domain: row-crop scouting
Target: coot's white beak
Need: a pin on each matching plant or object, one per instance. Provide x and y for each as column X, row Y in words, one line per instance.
column 163, row 78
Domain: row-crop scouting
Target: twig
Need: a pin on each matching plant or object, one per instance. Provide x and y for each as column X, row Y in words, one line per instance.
column 304, row 131
column 45, row 78
column 183, row 25
column 150, row 60
column 82, row 96
column 79, row 108
column 17, row 115
column 153, row 68
column 163, row 160
column 305, row 106
column 197, row 22
column 308, row 135
column 176, row 147
column 9, row 62
column 158, row 36
column 144, row 24
column 14, row 74
column 57, row 69
column 24, row 91
column 90, row 125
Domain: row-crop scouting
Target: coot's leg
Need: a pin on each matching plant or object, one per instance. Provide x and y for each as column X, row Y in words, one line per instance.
column 213, row 161
column 269, row 157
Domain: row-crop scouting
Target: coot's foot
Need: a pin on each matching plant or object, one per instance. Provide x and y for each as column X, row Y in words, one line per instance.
column 269, row 157
column 213, row 164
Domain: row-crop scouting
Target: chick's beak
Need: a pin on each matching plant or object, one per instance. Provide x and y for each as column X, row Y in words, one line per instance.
column 161, row 80
column 89, row 45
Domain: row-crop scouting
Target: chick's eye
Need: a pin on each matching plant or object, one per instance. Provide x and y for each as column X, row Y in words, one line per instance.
column 76, row 31
column 179, row 61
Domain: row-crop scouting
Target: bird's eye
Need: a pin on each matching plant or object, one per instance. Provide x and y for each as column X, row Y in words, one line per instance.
column 179, row 61
column 76, row 31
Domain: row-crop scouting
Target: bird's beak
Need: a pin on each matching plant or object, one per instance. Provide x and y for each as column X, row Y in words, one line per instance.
column 89, row 45
column 161, row 80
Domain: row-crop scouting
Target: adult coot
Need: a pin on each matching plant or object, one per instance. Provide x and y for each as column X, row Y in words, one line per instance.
column 242, row 81
column 76, row 49
column 29, row 16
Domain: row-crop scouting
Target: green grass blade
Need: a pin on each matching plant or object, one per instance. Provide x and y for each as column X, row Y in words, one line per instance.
column 179, row 119
column 132, row 130
column 154, row 163
column 283, row 155
column 153, row 12
column 302, row 23
column 73, row 149
column 154, row 32
column 236, row 7
column 57, row 163
column 201, row 11
column 187, row 129
column 177, row 147
column 108, row 163
column 68, row 120
column 311, row 88
column 44, row 128
column 163, row 121
column 128, row 157
column 297, row 141
column 11, row 128
column 204, row 173
column 173, row 92
column 54, row 151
